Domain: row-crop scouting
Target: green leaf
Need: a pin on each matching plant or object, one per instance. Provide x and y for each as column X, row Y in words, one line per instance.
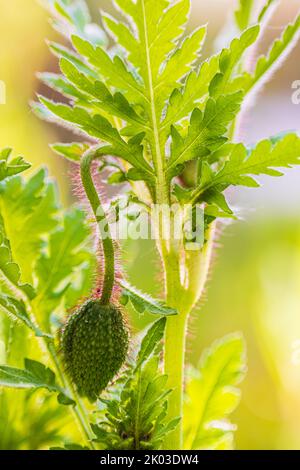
column 135, row 414
column 230, row 59
column 11, row 166
column 116, row 105
column 34, row 375
column 180, row 62
column 16, row 309
column 11, row 270
column 74, row 17
column 279, row 50
column 113, row 70
column 206, row 130
column 266, row 8
column 144, row 302
column 64, row 52
column 28, row 210
column 152, row 338
column 72, row 152
column 263, row 159
column 243, row 14
column 212, row 395
column 62, row 268
column 183, row 100
column 98, row 126
column 268, row 64
column 59, row 83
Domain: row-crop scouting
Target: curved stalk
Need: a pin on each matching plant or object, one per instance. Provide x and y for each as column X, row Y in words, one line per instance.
column 102, row 222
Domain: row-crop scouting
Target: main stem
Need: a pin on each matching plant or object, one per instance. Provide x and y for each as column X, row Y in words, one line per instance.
column 183, row 299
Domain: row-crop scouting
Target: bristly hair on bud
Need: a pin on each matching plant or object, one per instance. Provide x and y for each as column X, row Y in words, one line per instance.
column 94, row 343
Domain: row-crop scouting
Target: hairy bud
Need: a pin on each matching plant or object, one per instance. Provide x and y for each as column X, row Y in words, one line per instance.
column 94, row 344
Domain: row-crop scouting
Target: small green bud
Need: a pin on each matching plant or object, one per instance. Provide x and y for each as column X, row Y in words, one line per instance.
column 94, row 345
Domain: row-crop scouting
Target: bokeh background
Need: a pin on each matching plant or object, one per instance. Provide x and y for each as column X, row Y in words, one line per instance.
column 254, row 285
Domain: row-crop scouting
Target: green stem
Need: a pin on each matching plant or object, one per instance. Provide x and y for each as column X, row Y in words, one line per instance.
column 184, row 299
column 174, row 368
column 107, row 243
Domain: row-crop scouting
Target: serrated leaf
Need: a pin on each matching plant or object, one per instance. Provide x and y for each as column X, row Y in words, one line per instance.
column 113, row 70
column 144, row 302
column 263, row 159
column 64, row 52
column 11, row 166
column 265, row 9
column 34, row 375
column 98, row 126
column 135, row 416
column 72, row 152
column 280, row 48
column 11, row 270
column 243, row 13
column 180, row 62
column 183, row 100
column 212, row 395
column 153, row 336
column 229, row 60
column 267, row 64
column 59, row 83
column 73, row 17
column 63, row 267
column 116, row 105
column 16, row 309
column 28, row 210
column 206, row 131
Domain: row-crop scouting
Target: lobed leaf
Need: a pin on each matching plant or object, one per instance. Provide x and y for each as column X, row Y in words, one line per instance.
column 212, row 395
column 237, row 170
column 243, row 13
column 206, row 132
column 135, row 414
column 143, row 302
column 11, row 166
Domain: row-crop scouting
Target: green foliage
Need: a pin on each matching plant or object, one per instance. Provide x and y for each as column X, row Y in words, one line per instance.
column 61, row 271
column 151, row 106
column 212, row 395
column 243, row 14
column 16, row 309
column 136, row 418
column 143, row 302
column 152, row 88
column 37, row 234
column 28, row 212
column 11, row 166
column 34, row 376
column 242, row 163
column 266, row 65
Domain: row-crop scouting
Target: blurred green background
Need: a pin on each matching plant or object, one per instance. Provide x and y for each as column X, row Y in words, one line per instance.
column 254, row 285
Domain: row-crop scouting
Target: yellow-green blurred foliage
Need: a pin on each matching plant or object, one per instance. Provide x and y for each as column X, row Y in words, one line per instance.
column 255, row 280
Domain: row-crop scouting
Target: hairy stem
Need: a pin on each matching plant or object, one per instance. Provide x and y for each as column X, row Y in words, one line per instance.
column 184, row 299
column 107, row 243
